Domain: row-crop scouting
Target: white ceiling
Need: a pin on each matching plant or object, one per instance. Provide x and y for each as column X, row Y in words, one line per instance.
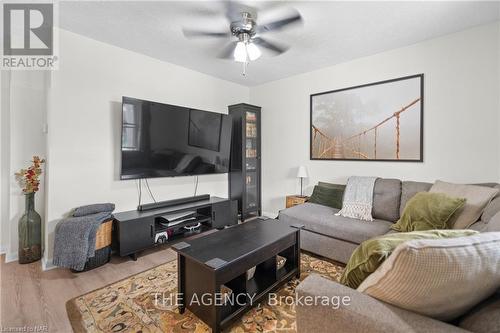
column 333, row 32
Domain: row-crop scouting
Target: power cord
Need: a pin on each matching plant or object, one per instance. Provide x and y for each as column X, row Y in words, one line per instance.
column 196, row 185
column 149, row 190
column 139, row 190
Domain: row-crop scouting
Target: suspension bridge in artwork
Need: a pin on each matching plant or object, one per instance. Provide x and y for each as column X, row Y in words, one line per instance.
column 326, row 147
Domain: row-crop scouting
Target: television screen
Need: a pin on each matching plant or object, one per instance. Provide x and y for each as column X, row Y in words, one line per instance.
column 162, row 140
column 204, row 129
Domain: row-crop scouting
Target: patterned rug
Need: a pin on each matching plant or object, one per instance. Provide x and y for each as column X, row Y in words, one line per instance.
column 131, row 305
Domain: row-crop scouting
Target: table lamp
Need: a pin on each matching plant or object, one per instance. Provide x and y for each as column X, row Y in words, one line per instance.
column 302, row 173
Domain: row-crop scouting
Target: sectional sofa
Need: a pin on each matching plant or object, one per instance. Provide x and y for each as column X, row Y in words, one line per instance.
column 336, row 237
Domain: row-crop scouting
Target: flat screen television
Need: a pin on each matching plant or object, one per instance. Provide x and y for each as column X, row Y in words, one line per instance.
column 162, row 140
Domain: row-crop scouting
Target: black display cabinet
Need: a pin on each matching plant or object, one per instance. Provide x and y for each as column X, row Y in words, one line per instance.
column 245, row 169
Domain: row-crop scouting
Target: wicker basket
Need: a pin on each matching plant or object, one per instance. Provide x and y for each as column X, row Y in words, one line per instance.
column 102, row 247
column 103, row 236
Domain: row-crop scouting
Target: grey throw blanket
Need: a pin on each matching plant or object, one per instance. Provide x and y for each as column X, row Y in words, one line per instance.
column 358, row 198
column 75, row 239
column 93, row 209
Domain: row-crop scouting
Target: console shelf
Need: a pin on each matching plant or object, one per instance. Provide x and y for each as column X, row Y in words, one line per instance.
column 199, row 218
column 136, row 230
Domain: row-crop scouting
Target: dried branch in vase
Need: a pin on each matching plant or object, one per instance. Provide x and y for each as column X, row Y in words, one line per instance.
column 29, row 179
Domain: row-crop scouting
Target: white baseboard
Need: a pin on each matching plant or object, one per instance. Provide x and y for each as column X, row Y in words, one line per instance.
column 47, row 264
column 3, row 250
column 10, row 257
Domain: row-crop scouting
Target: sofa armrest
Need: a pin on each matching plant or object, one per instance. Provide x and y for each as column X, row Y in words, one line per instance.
column 361, row 313
column 494, row 223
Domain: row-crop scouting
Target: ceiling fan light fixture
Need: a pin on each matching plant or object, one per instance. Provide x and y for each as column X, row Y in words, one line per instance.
column 243, row 26
column 253, row 52
column 240, row 52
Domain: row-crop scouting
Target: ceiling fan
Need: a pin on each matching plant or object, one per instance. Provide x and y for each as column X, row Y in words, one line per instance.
column 244, row 26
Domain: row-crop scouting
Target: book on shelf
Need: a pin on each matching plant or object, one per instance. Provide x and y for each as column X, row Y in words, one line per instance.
column 251, row 130
column 251, row 116
column 251, row 152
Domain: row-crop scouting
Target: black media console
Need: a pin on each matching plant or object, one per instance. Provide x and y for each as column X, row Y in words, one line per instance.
column 136, row 230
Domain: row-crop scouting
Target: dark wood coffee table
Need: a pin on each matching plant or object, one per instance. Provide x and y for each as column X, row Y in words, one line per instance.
column 223, row 258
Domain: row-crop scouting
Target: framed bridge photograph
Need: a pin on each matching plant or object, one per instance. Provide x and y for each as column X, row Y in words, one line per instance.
column 381, row 121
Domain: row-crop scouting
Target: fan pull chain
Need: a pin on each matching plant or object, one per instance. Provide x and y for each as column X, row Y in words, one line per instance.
column 244, row 73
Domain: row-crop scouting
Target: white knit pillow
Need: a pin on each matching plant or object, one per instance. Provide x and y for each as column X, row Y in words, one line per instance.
column 439, row 278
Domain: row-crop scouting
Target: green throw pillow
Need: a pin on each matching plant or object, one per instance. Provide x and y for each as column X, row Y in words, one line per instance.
column 330, row 196
column 331, row 185
column 370, row 254
column 428, row 210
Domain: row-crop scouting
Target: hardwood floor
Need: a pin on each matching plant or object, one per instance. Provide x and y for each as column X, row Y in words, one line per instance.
column 32, row 297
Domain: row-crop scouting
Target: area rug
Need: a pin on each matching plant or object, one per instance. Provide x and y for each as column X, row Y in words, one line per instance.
column 131, row 305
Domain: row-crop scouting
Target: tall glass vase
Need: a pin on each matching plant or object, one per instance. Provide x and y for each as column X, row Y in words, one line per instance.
column 30, row 233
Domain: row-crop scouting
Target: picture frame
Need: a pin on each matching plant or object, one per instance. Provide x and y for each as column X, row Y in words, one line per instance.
column 379, row 121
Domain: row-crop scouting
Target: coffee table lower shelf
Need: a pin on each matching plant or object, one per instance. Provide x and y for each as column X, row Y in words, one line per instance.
column 213, row 275
column 231, row 313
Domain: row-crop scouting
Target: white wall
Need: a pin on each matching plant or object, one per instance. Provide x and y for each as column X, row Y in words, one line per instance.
column 23, row 116
column 4, row 161
column 85, row 122
column 462, row 77
column 498, row 72
column 461, row 115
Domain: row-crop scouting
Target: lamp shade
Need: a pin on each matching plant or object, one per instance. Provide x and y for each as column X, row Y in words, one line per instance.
column 253, row 51
column 302, row 172
column 240, row 52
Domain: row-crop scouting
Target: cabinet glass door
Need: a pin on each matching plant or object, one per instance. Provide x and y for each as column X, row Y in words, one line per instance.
column 252, row 161
column 252, row 190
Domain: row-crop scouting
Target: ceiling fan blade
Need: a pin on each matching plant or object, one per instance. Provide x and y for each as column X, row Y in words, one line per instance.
column 270, row 45
column 228, row 51
column 232, row 11
column 280, row 24
column 189, row 33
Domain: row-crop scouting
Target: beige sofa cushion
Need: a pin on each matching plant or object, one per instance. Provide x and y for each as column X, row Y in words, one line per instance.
column 492, row 208
column 477, row 199
column 484, row 318
column 439, row 278
column 409, row 189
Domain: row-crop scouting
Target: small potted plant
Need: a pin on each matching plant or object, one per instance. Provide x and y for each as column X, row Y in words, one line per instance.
column 30, row 224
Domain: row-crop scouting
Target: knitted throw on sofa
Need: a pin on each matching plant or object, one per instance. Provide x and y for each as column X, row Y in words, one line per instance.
column 358, row 198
